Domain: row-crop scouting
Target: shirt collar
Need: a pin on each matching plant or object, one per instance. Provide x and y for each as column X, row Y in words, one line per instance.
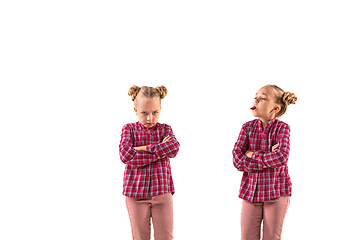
column 144, row 128
column 271, row 122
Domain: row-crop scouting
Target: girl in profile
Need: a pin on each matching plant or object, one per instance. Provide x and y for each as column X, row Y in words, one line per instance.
column 261, row 153
column 146, row 148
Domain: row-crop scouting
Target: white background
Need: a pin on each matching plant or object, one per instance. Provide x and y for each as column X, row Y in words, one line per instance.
column 66, row 67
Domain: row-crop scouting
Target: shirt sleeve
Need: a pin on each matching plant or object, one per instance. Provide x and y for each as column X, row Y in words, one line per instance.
column 240, row 160
column 169, row 148
column 280, row 156
column 130, row 156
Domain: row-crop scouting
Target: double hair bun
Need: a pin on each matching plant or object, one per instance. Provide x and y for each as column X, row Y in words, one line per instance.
column 147, row 91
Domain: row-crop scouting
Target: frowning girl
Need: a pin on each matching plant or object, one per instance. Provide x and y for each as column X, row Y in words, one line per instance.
column 146, row 148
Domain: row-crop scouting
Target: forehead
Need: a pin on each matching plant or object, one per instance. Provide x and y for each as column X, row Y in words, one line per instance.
column 148, row 104
column 266, row 90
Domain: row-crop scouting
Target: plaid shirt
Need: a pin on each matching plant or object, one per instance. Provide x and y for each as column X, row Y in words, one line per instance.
column 260, row 184
column 147, row 174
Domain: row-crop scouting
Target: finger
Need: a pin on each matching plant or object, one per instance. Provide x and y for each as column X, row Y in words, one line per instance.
column 167, row 138
column 274, row 148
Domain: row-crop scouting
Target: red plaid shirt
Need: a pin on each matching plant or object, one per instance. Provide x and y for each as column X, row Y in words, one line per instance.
column 146, row 175
column 260, row 184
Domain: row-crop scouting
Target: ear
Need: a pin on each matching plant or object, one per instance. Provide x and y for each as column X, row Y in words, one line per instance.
column 135, row 109
column 276, row 109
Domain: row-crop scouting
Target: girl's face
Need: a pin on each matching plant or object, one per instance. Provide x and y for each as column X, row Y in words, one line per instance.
column 264, row 106
column 148, row 111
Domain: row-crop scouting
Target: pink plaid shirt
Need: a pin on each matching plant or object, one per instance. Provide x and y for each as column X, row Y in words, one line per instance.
column 260, row 184
column 147, row 174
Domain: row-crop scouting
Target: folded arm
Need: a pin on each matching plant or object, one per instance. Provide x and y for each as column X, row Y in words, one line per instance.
column 240, row 160
column 169, row 147
column 131, row 156
column 278, row 157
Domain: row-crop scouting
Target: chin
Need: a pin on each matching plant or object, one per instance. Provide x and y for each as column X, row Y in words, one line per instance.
column 148, row 126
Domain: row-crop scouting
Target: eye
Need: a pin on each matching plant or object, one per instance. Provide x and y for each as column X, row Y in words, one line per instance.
column 260, row 98
column 143, row 113
column 155, row 112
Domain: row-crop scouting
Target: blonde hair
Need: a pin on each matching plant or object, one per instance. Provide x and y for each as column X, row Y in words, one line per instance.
column 283, row 98
column 148, row 92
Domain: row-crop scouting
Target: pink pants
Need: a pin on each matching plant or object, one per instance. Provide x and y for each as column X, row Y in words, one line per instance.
column 159, row 208
column 272, row 213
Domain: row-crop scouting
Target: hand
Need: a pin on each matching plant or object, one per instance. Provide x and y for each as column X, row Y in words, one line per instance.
column 167, row 138
column 275, row 147
column 142, row 148
column 249, row 153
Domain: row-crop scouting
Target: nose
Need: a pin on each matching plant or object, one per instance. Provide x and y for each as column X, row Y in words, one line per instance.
column 149, row 117
column 256, row 101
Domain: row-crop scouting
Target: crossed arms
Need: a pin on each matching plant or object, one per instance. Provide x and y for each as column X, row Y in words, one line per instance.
column 251, row 161
column 144, row 155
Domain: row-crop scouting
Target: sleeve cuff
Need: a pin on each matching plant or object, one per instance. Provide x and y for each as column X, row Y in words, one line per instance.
column 150, row 148
column 256, row 156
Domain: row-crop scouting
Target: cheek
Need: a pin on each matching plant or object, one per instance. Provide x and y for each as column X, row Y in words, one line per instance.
column 263, row 107
column 260, row 105
column 142, row 117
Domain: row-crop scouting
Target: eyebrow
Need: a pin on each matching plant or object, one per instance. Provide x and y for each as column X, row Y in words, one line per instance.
column 150, row 111
column 261, row 93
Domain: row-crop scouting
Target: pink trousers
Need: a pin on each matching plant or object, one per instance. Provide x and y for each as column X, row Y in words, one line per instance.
column 272, row 213
column 159, row 208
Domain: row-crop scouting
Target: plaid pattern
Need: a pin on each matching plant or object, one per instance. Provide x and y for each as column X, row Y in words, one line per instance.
column 145, row 174
column 260, row 184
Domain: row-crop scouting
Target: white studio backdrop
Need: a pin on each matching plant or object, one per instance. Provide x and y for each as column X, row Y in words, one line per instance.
column 66, row 68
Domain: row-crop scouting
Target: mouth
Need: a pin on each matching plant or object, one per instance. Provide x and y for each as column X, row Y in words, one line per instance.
column 253, row 108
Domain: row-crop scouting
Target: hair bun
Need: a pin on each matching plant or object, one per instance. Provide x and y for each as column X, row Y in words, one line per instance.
column 289, row 98
column 133, row 91
column 162, row 91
